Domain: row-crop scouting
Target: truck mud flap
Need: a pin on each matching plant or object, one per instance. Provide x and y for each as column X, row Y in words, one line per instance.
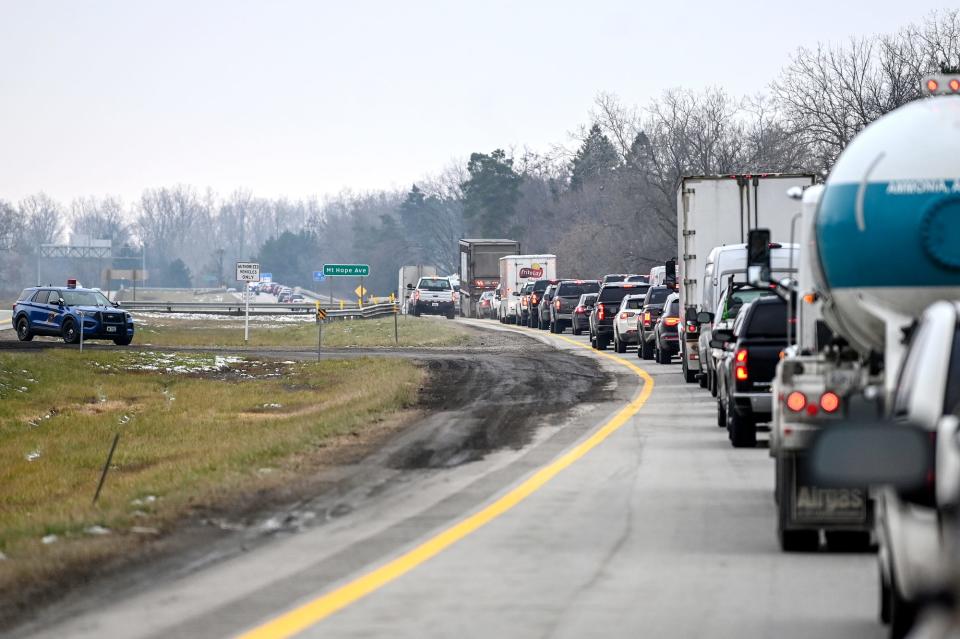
column 812, row 506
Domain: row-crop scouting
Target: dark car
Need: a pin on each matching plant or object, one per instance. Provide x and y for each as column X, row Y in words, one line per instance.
column 640, row 279
column 601, row 318
column 580, row 319
column 565, row 300
column 61, row 311
column 649, row 314
column 666, row 336
column 543, row 309
column 745, row 371
column 536, row 296
column 525, row 303
column 615, row 277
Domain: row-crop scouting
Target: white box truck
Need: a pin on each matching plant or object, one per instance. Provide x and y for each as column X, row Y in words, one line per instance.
column 717, row 210
column 515, row 272
column 409, row 276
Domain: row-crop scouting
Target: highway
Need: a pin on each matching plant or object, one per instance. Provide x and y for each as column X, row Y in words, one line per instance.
column 629, row 516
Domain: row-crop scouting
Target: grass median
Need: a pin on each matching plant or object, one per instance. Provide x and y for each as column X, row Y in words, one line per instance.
column 297, row 332
column 196, row 431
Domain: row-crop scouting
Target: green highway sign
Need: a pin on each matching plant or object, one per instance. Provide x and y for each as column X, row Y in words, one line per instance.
column 355, row 270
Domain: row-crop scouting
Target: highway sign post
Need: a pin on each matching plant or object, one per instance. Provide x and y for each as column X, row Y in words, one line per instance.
column 247, row 272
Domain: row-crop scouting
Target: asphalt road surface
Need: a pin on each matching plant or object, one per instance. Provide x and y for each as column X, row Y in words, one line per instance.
column 629, row 515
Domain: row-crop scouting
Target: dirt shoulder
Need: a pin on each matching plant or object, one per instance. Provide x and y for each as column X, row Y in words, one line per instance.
column 522, row 384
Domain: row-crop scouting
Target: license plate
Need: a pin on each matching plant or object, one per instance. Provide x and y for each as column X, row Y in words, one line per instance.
column 436, row 304
column 111, row 329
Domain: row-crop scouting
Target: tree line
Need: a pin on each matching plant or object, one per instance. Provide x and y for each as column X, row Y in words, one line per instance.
column 603, row 203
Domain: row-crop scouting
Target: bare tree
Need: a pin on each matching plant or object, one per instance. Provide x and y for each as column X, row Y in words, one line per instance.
column 102, row 219
column 42, row 219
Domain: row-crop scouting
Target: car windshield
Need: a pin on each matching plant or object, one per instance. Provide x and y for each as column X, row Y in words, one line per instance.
column 633, row 302
column 739, row 298
column 435, row 285
column 541, row 285
column 526, row 288
column 576, row 289
column 84, row 298
column 614, row 278
column 657, row 295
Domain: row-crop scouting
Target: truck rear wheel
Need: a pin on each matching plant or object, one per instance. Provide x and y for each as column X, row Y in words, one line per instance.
column 601, row 343
column 743, row 432
column 848, row 540
column 645, row 348
column 618, row 346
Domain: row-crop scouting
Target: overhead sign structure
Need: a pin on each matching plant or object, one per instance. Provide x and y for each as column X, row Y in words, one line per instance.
column 248, row 272
column 346, row 270
column 266, row 277
column 360, row 291
column 318, row 276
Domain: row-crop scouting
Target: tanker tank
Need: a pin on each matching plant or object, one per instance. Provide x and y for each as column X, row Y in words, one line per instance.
column 887, row 231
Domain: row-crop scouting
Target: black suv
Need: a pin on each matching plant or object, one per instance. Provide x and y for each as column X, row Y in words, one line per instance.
column 745, row 371
column 536, row 296
column 565, row 300
column 649, row 314
column 605, row 309
column 581, row 314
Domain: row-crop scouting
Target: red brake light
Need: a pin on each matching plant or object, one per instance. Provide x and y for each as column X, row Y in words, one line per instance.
column 646, row 318
column 932, row 85
column 556, row 304
column 624, row 315
column 740, row 365
column 954, row 85
column 692, row 327
column 534, row 299
column 671, row 321
column 829, row 402
column 578, row 310
column 416, row 295
column 796, row 401
column 600, row 312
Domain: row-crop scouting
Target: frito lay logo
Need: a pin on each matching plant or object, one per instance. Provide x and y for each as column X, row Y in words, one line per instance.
column 534, row 271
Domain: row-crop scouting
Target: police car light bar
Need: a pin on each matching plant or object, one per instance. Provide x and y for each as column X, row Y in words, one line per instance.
column 943, row 84
column 71, row 283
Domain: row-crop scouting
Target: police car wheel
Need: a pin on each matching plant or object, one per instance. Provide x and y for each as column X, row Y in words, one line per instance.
column 70, row 333
column 123, row 341
column 23, row 330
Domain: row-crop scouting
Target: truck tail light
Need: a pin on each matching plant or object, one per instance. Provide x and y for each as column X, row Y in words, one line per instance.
column 740, row 365
column 646, row 318
column 796, row 401
column 692, row 327
column 416, row 296
column 578, row 310
column 829, row 402
column 556, row 304
column 534, row 299
column 600, row 312
column 671, row 321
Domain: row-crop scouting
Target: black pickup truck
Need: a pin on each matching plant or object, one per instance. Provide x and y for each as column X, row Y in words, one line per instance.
column 745, row 371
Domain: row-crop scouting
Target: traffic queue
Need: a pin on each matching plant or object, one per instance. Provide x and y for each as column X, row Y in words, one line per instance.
column 830, row 314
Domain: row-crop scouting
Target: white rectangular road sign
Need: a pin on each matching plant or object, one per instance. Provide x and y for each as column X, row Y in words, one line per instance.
column 248, row 272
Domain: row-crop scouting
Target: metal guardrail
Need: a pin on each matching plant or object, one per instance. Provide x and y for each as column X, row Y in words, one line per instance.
column 259, row 308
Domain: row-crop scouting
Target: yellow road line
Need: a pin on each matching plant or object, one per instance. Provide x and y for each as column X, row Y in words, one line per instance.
column 311, row 612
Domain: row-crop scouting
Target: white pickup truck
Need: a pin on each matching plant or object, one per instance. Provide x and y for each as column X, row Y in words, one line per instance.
column 433, row 296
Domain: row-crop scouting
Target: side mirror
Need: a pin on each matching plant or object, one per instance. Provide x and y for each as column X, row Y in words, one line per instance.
column 758, row 257
column 61, row 302
column 948, row 461
column 516, row 293
column 720, row 338
column 409, row 287
column 855, row 455
column 704, row 317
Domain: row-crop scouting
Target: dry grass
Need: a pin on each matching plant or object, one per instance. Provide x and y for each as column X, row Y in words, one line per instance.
column 195, row 431
column 413, row 332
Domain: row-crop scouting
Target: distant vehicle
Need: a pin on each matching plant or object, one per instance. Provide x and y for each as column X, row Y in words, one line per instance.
column 536, row 296
column 60, row 311
column 525, row 303
column 231, row 290
column 296, row 298
column 752, row 350
column 580, row 321
column 434, row 296
column 409, row 276
column 649, row 314
column 615, row 277
column 639, row 279
column 601, row 317
column 284, row 296
column 625, row 324
column 543, row 309
column 565, row 300
column 485, row 308
column 716, row 211
column 665, row 333
column 480, row 269
column 515, row 272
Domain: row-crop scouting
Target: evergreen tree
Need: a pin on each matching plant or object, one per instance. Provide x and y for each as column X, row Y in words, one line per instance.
column 490, row 195
column 596, row 158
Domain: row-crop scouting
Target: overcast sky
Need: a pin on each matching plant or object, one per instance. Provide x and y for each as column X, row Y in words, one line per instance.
column 312, row 97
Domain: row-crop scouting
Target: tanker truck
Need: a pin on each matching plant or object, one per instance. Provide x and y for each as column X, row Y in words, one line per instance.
column 880, row 243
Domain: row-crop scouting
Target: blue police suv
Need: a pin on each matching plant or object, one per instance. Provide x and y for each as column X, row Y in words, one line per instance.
column 60, row 311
